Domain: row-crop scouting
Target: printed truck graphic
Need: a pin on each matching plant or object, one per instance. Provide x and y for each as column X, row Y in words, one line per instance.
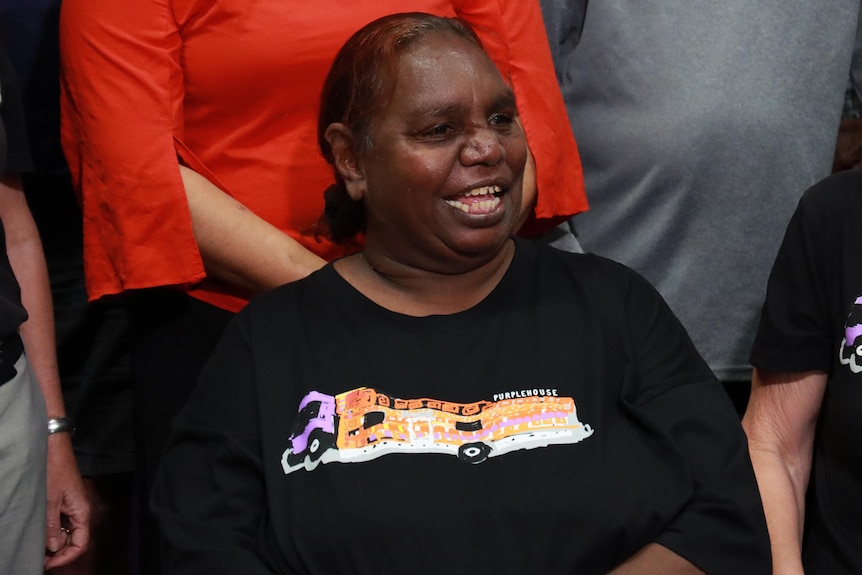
column 364, row 424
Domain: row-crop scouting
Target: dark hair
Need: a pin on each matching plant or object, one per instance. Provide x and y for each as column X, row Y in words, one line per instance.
column 358, row 86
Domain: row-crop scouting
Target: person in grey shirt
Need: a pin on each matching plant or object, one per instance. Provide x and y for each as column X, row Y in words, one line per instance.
column 699, row 125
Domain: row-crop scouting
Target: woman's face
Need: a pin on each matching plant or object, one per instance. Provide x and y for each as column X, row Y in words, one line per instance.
column 444, row 171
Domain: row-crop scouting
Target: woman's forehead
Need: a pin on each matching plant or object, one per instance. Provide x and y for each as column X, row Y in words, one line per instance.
column 440, row 75
column 442, row 44
column 442, row 60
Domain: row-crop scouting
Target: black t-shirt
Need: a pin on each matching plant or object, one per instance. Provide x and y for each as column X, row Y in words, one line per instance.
column 14, row 157
column 29, row 33
column 812, row 320
column 556, row 427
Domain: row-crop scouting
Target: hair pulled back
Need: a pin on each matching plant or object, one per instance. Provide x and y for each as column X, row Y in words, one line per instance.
column 358, row 87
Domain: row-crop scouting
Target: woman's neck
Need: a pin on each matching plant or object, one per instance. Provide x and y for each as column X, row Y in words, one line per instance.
column 416, row 291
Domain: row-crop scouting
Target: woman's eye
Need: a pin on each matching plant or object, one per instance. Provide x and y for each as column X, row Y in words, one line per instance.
column 438, row 131
column 501, row 119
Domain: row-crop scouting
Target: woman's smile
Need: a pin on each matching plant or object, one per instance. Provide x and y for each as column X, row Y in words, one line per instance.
column 478, row 201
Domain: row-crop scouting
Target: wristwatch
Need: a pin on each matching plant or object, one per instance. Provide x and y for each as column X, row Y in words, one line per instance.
column 60, row 425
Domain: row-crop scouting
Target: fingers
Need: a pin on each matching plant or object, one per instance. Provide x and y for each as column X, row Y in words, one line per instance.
column 71, row 544
column 55, row 535
column 68, row 508
column 68, row 529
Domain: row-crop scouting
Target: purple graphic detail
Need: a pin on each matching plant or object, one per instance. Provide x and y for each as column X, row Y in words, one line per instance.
column 851, row 332
column 316, row 411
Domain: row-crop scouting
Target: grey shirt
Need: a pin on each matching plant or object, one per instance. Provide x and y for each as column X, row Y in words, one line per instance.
column 699, row 125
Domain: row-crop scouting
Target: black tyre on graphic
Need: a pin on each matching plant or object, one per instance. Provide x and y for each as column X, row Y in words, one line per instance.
column 474, row 452
column 294, row 459
column 318, row 442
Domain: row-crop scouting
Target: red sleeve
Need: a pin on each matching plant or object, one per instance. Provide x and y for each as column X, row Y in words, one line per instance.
column 122, row 90
column 514, row 35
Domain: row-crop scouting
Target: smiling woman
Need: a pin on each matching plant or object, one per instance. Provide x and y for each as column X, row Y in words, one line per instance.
column 362, row 420
column 439, row 168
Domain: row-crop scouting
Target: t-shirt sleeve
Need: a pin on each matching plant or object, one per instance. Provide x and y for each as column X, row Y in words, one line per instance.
column 514, row 35
column 794, row 333
column 209, row 495
column 722, row 528
column 121, row 91
column 18, row 159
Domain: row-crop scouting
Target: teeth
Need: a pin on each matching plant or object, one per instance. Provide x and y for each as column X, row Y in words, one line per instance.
column 476, row 207
column 455, row 204
column 484, row 191
column 489, row 201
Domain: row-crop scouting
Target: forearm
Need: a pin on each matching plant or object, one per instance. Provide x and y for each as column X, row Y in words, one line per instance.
column 237, row 246
column 782, row 491
column 24, row 249
column 780, row 423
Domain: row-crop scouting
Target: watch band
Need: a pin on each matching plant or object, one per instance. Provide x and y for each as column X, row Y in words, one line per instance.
column 60, row 425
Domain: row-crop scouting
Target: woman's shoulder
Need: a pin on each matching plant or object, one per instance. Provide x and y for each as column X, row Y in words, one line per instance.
column 586, row 272
column 299, row 295
column 834, row 194
column 585, row 265
column 828, row 212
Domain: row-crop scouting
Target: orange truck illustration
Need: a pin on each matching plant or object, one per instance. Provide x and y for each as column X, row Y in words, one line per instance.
column 364, row 423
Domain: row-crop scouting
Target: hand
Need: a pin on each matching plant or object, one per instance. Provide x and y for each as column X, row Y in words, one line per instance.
column 68, row 528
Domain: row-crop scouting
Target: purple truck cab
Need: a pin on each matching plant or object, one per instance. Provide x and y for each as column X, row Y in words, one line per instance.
column 314, row 427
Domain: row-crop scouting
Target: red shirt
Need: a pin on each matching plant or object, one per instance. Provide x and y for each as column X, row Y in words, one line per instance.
column 232, row 89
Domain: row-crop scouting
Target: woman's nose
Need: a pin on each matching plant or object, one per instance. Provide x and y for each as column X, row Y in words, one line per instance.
column 482, row 146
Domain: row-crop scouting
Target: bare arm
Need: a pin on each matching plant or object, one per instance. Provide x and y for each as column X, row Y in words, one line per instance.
column 780, row 422
column 66, row 496
column 237, row 246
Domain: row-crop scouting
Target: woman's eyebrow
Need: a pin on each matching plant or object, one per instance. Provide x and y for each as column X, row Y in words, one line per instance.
column 505, row 99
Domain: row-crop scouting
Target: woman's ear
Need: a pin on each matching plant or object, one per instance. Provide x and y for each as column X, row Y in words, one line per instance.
column 346, row 159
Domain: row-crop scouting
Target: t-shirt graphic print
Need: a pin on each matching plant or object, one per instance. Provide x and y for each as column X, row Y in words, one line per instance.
column 850, row 352
column 364, row 424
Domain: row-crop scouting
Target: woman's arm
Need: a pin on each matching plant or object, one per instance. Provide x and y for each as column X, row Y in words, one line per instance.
column 780, row 422
column 121, row 102
column 675, row 392
column 210, row 496
column 147, row 222
column 66, row 497
column 239, row 247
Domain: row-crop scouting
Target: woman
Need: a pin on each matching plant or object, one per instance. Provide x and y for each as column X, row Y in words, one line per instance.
column 44, row 512
column 189, row 126
column 803, row 416
column 189, row 130
column 334, row 429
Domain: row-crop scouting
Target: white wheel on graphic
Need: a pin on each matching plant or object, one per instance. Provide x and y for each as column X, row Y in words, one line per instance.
column 474, row 452
column 318, row 443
